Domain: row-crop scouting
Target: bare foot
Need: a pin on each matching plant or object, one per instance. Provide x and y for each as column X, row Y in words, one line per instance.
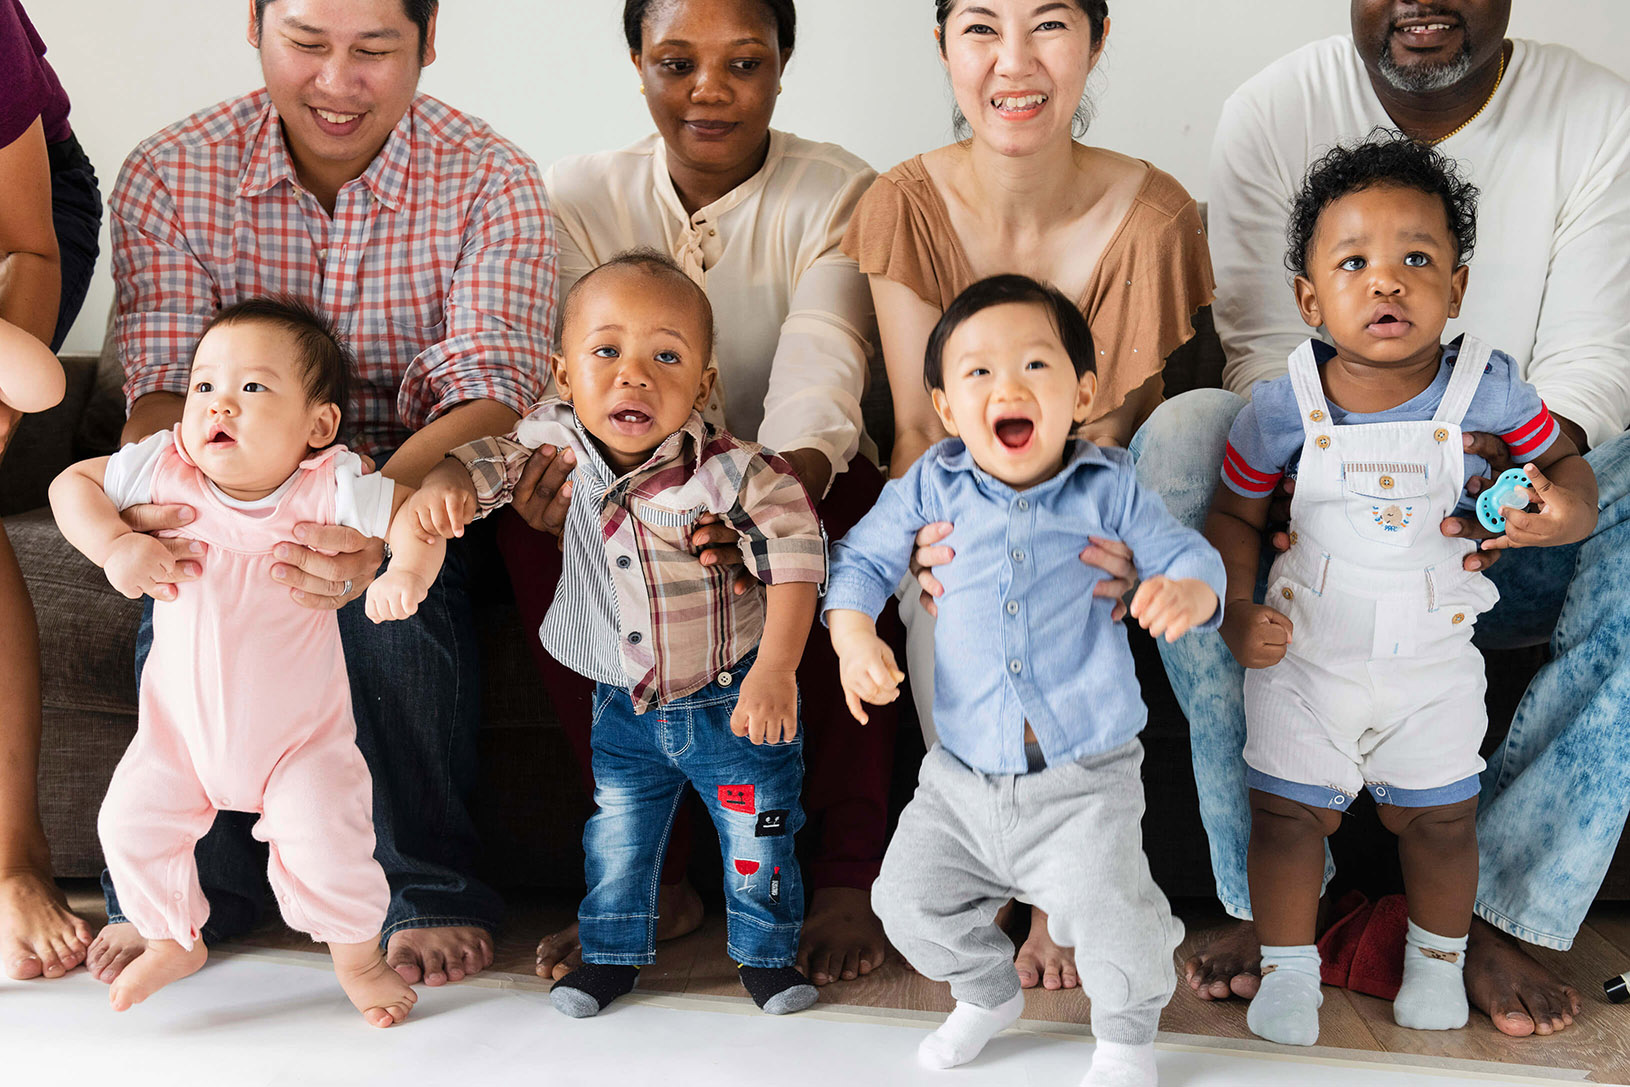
column 381, row 994
column 679, row 913
column 39, row 936
column 164, row 961
column 114, row 948
column 1520, row 996
column 842, row 938
column 1230, row 965
column 1041, row 961
column 438, row 955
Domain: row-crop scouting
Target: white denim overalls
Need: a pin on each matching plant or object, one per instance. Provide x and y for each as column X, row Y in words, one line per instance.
column 1381, row 686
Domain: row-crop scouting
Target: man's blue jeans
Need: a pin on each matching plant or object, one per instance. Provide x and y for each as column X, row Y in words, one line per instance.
column 1553, row 798
column 416, row 696
column 642, row 764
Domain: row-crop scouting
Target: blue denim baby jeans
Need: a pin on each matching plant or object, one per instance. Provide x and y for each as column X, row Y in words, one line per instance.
column 642, row 764
column 1553, row 797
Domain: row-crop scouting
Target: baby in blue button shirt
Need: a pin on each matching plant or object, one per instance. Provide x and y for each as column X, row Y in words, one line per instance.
column 1033, row 789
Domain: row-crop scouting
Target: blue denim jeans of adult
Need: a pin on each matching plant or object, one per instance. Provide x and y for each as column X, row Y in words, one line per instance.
column 642, row 764
column 416, row 697
column 1553, row 799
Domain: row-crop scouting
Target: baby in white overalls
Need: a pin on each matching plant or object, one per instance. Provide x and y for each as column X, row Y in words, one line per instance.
column 1361, row 669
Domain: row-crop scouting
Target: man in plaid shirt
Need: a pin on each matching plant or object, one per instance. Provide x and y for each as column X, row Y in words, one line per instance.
column 427, row 239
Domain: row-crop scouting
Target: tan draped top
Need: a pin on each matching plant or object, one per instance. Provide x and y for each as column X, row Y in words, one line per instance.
column 1152, row 277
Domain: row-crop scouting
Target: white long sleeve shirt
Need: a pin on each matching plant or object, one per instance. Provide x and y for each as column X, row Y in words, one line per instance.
column 1550, row 276
column 794, row 318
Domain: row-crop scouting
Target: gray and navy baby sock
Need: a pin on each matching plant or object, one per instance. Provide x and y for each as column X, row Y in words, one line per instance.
column 589, row 989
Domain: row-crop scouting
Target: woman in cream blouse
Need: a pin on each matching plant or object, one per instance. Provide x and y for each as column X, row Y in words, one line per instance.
column 755, row 216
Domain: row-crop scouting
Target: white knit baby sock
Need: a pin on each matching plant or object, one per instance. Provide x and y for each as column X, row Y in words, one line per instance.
column 965, row 1032
column 1286, row 1007
column 1433, row 996
column 1116, row 1065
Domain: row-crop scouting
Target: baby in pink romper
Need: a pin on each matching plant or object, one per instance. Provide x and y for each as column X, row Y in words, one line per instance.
column 245, row 704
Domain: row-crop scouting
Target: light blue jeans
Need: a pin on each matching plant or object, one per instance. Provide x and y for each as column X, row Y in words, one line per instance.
column 1554, row 796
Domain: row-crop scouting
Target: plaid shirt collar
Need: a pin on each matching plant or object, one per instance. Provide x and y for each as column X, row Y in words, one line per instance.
column 269, row 162
column 683, row 445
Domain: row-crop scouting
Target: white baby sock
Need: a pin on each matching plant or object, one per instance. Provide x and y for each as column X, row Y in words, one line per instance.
column 1433, row 996
column 1116, row 1065
column 1286, row 1007
column 965, row 1032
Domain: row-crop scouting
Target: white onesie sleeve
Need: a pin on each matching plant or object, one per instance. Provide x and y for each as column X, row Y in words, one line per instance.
column 128, row 479
column 362, row 502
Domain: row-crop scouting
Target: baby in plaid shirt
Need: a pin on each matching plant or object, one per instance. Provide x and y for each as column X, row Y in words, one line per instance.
column 694, row 682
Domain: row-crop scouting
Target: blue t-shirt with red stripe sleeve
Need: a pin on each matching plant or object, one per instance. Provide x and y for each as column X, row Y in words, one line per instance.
column 1265, row 443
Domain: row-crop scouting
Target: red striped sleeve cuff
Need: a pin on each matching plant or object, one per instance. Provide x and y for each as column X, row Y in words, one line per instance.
column 1245, row 479
column 1533, row 436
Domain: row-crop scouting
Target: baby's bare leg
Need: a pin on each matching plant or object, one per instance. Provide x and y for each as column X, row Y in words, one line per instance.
column 1438, row 848
column 164, row 961
column 378, row 992
column 1286, row 864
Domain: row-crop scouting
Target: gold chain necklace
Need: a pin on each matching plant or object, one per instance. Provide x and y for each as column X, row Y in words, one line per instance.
column 1497, row 81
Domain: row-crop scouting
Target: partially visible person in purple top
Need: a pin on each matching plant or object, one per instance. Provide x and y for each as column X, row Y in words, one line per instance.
column 50, row 213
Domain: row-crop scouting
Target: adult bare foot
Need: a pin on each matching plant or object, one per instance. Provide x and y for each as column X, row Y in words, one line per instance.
column 1041, row 961
column 679, row 913
column 1518, row 994
column 1230, row 965
column 39, row 935
column 114, row 948
column 439, row 955
column 841, row 938
column 381, row 994
column 164, row 961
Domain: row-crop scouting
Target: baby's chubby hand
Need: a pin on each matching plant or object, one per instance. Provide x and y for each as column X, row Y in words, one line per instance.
column 137, row 564
column 767, row 708
column 442, row 506
column 1256, row 634
column 1167, row 607
column 396, row 595
column 868, row 673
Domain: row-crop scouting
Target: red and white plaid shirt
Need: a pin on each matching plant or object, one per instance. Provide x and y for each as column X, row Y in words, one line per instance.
column 437, row 266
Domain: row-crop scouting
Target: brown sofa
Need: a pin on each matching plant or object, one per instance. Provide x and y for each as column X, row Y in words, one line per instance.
column 531, row 805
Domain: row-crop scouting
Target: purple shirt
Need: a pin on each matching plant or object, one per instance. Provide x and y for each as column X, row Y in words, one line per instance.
column 28, row 86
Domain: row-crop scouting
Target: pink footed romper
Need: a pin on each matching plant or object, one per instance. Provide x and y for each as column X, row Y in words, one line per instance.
column 245, row 706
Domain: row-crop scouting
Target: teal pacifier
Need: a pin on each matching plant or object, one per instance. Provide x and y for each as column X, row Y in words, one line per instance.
column 1499, row 494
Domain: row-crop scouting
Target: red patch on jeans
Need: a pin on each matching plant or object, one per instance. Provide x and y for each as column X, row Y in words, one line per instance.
column 746, row 868
column 737, row 798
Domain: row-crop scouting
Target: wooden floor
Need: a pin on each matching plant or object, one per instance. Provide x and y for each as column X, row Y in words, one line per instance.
column 1598, row 1042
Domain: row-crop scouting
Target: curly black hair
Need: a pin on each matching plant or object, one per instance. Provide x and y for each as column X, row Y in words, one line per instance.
column 783, row 12
column 1384, row 158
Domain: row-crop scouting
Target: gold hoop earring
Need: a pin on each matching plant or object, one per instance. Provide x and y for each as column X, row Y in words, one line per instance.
column 779, row 88
column 642, row 88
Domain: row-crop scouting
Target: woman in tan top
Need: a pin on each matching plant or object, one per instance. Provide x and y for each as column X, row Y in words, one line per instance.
column 1019, row 194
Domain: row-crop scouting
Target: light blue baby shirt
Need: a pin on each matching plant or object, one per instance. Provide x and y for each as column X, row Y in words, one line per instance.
column 1020, row 636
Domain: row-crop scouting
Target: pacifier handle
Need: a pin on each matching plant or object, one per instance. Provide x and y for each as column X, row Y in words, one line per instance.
column 1499, row 494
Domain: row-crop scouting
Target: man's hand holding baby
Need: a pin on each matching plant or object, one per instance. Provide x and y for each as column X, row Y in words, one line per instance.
column 1169, row 607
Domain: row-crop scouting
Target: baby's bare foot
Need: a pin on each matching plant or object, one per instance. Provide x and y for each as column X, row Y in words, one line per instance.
column 1230, row 965
column 114, row 948
column 439, row 955
column 164, row 961
column 381, row 994
column 559, row 953
column 842, row 938
column 1042, row 960
column 39, row 936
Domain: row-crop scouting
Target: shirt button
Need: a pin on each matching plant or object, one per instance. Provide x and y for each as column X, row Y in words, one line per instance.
column 624, row 562
column 1018, row 554
column 1024, row 504
column 726, row 679
column 635, row 638
column 1015, row 666
column 1013, row 607
column 177, row 896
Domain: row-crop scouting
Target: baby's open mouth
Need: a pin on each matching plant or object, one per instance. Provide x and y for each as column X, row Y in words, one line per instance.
column 219, row 436
column 1014, row 433
column 631, row 416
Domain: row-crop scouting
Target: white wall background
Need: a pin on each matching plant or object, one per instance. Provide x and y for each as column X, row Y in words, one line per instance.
column 553, row 75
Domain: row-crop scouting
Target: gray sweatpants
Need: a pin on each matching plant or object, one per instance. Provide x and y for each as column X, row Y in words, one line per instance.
column 1066, row 839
